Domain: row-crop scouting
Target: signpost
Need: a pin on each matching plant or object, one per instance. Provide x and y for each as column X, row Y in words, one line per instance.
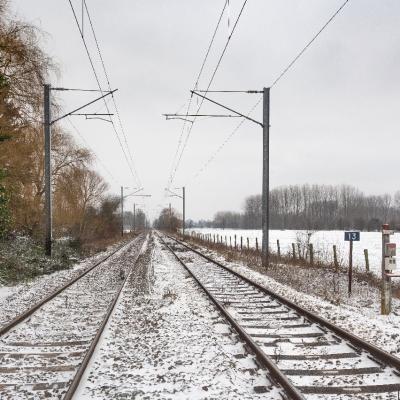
column 351, row 236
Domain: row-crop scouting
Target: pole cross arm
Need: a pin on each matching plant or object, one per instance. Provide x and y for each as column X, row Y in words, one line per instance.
column 172, row 116
column 175, row 116
column 85, row 105
column 91, row 114
column 133, row 193
column 172, row 194
column 227, row 108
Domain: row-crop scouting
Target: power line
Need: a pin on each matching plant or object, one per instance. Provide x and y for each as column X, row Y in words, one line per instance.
column 226, row 140
column 91, row 150
column 280, row 76
column 222, row 145
column 208, row 87
column 101, row 90
column 109, row 87
column 195, row 85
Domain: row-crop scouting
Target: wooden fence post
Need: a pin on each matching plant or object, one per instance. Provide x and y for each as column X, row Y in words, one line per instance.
column 335, row 261
column 235, row 243
column 278, row 248
column 366, row 259
column 241, row 243
column 294, row 251
column 311, row 250
column 257, row 245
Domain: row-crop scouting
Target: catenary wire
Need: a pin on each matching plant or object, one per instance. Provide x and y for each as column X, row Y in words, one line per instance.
column 109, row 87
column 283, row 73
column 100, row 161
column 280, row 76
column 208, row 87
column 99, row 85
column 222, row 145
column 195, row 85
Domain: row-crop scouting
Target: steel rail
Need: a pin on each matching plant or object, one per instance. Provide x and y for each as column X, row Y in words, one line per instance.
column 19, row 318
column 85, row 362
column 263, row 359
column 380, row 354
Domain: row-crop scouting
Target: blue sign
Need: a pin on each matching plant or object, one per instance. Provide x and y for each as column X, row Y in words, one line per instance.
column 352, row 236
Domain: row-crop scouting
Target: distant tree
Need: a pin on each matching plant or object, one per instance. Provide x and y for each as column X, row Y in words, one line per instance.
column 168, row 220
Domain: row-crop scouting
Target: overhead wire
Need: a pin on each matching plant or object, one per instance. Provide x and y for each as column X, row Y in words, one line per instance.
column 99, row 160
column 195, row 86
column 283, row 73
column 279, row 77
column 109, row 88
column 208, row 87
column 222, row 145
column 102, row 91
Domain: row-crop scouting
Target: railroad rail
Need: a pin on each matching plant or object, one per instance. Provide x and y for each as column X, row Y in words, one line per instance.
column 307, row 355
column 44, row 352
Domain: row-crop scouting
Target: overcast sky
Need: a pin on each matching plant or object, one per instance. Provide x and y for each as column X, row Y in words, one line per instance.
column 334, row 116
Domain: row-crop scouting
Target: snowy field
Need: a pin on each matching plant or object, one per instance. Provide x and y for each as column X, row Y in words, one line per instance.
column 322, row 241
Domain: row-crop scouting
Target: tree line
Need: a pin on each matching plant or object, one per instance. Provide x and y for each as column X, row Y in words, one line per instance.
column 81, row 206
column 315, row 207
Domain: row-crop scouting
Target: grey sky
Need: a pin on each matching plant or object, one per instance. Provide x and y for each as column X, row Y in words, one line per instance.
column 334, row 116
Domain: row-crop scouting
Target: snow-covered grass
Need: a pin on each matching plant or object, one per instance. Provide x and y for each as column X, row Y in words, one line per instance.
column 322, row 241
column 22, row 259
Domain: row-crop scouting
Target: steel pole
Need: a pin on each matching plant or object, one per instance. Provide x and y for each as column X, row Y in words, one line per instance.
column 134, row 217
column 265, row 179
column 183, row 220
column 170, row 218
column 122, row 211
column 47, row 170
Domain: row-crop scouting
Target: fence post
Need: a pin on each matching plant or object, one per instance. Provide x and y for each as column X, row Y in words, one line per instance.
column 366, row 259
column 256, row 245
column 311, row 250
column 241, row 243
column 230, row 242
column 278, row 248
column 294, row 251
column 335, row 261
column 299, row 251
column 235, row 243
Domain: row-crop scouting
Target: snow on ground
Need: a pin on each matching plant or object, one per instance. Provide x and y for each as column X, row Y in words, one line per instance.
column 363, row 321
column 5, row 291
column 17, row 299
column 322, row 241
column 167, row 341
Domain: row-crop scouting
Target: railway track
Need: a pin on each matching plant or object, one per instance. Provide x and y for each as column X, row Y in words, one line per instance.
column 305, row 354
column 45, row 351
